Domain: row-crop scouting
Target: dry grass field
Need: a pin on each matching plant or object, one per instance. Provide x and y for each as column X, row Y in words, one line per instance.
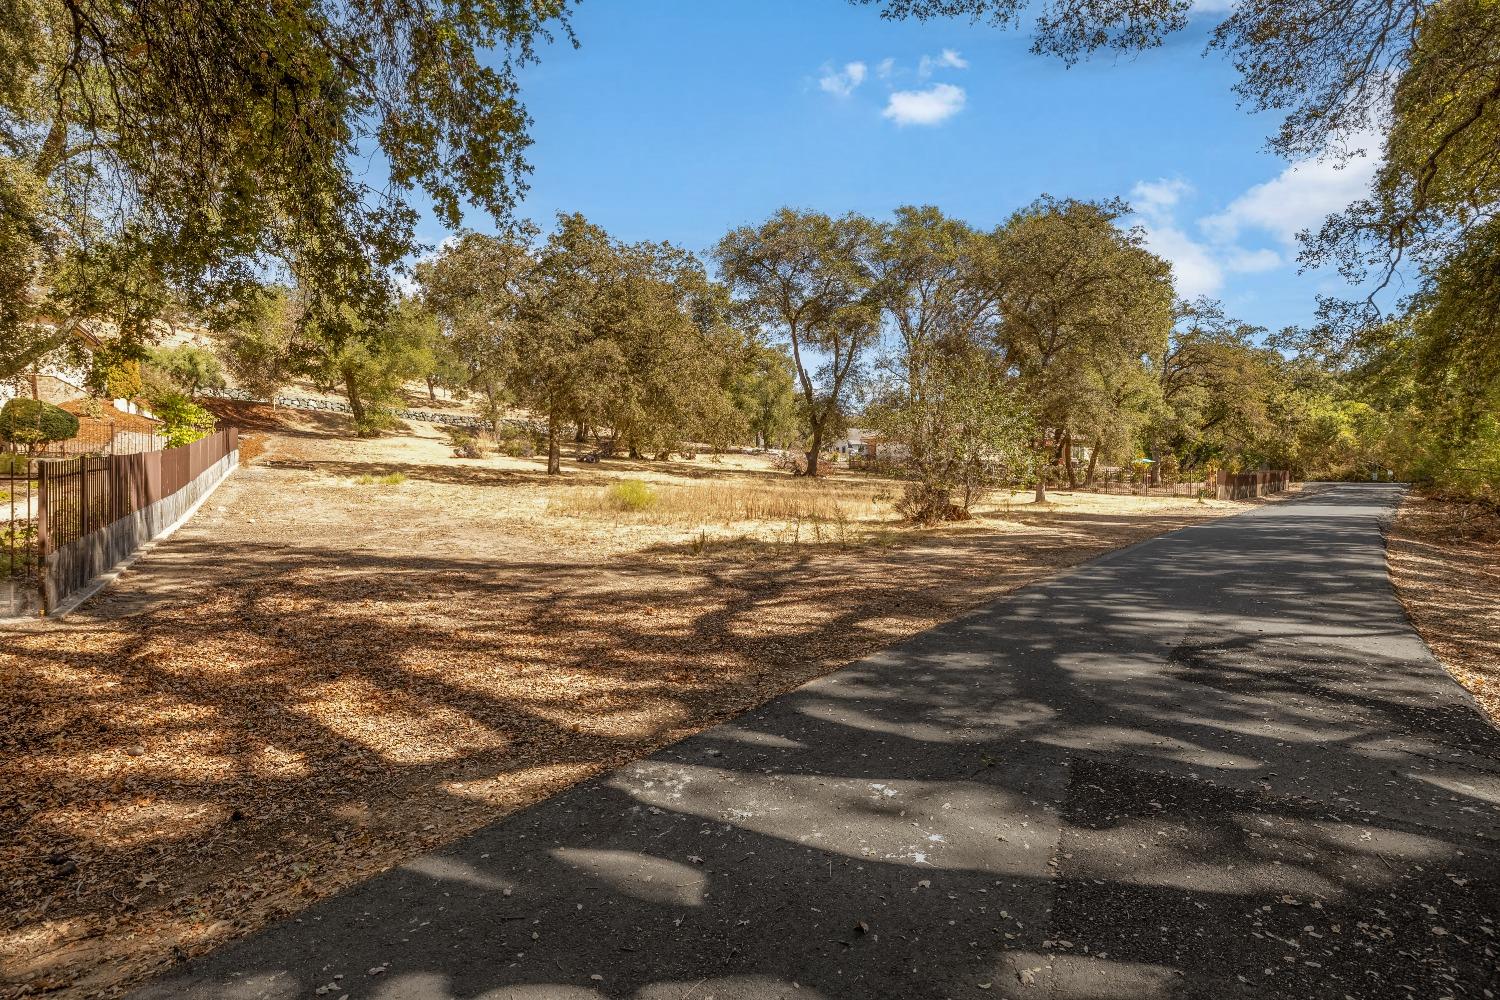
column 360, row 649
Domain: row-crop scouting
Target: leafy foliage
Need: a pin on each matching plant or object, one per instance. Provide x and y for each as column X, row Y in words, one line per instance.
column 182, row 420
column 1417, row 81
column 584, row 329
column 809, row 280
column 1083, row 305
column 33, row 422
column 152, row 153
column 190, row 369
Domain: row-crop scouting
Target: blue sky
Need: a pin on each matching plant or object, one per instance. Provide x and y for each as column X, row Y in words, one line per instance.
column 679, row 119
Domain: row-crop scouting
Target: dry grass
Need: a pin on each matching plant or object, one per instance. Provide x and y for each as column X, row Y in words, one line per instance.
column 312, row 682
column 712, row 502
column 1444, row 558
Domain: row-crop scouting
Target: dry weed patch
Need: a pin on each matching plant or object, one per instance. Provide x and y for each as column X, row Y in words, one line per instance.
column 717, row 502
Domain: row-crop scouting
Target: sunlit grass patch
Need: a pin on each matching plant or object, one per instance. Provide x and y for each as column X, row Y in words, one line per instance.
column 791, row 501
column 630, row 495
column 390, row 479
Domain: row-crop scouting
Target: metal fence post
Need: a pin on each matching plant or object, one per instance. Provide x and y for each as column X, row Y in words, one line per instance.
column 83, row 498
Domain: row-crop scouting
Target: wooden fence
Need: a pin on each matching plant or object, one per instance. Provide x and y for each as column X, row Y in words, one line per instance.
column 1248, row 485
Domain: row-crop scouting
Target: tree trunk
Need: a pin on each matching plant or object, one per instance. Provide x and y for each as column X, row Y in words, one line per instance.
column 1041, row 480
column 1067, row 450
column 812, row 453
column 356, row 404
column 554, row 452
column 431, row 391
column 1088, row 479
column 579, row 435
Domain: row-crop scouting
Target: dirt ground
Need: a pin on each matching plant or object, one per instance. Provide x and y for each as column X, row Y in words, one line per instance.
column 317, row 679
column 1444, row 558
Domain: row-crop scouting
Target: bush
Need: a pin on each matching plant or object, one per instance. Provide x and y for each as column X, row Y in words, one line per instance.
column 464, row 444
column 631, row 494
column 182, row 420
column 923, row 503
column 515, row 441
column 32, row 422
column 14, row 464
column 791, row 461
column 1169, row 471
column 375, row 422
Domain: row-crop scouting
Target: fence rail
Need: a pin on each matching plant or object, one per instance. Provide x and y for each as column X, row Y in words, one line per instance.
column 102, row 438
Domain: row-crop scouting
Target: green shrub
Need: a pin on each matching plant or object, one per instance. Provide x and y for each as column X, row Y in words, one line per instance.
column 14, row 464
column 182, row 420
column 515, row 441
column 32, row 422
column 1169, row 471
column 375, row 422
column 631, row 494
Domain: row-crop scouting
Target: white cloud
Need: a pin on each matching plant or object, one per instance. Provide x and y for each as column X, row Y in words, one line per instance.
column 1156, row 199
column 841, row 83
column 1300, row 197
column 885, row 68
column 932, row 106
column 948, row 59
column 1198, row 267
column 1195, row 271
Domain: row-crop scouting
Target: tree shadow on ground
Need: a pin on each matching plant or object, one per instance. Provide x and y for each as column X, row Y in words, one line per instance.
column 1221, row 765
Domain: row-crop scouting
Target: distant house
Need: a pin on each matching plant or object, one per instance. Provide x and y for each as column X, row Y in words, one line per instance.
column 860, row 442
column 57, row 381
column 52, row 382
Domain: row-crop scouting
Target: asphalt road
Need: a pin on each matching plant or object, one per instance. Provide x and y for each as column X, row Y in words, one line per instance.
column 1219, row 764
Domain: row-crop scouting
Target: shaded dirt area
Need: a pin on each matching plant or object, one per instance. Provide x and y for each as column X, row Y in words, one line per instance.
column 1444, row 558
column 316, row 680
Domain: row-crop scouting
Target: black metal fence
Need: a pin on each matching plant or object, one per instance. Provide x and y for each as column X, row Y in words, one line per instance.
column 102, row 437
column 19, row 551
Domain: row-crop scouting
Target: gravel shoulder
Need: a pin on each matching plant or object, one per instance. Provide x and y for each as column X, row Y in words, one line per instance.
column 1444, row 559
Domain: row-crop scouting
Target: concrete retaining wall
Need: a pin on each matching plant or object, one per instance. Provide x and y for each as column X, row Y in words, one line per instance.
column 19, row 599
column 74, row 566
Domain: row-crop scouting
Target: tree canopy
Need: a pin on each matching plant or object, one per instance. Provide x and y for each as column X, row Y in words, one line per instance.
column 154, row 153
